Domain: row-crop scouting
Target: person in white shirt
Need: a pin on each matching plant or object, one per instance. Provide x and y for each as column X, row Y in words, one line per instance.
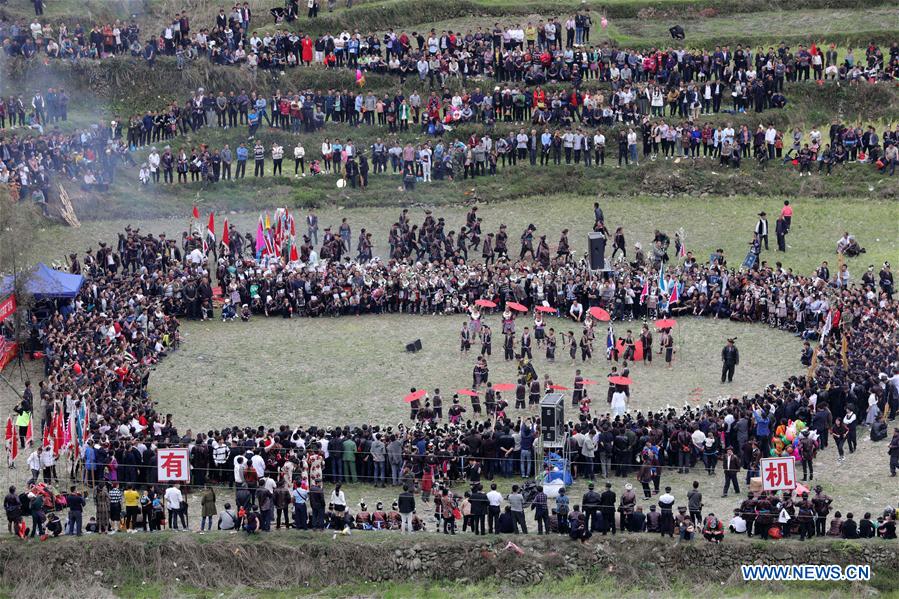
column 34, row 464
column 299, row 160
column 277, row 157
column 240, row 463
column 425, row 158
column 770, row 140
column 258, row 464
column 173, row 501
column 576, row 311
column 632, row 145
column 338, row 499
column 494, row 501
column 153, row 161
column 599, row 148
column 619, row 403
column 727, row 134
column 269, row 483
column 737, row 523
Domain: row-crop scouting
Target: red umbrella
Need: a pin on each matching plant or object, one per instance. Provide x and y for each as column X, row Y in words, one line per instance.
column 558, row 388
column 505, row 387
column 545, row 309
column 485, row 303
column 665, row 323
column 620, row 380
column 415, row 395
column 599, row 314
column 588, row 382
column 516, row 306
column 467, row 392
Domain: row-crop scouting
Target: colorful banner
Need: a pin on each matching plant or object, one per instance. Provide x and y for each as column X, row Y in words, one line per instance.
column 8, row 351
column 7, row 307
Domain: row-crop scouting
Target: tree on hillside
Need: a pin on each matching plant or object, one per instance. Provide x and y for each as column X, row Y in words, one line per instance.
column 16, row 240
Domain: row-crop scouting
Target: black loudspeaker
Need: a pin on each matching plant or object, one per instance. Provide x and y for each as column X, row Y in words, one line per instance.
column 414, row 346
column 597, row 251
column 552, row 419
column 677, row 32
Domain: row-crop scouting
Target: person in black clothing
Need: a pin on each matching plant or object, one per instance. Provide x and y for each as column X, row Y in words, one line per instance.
column 866, row 528
column 781, row 229
column 730, row 357
column 849, row 527
column 13, row 508
column 406, row 507
column 505, row 525
column 479, row 504
column 607, row 507
column 590, row 501
column 317, row 503
column 75, row 502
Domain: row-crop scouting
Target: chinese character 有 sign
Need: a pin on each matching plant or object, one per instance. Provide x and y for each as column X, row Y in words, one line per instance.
column 778, row 474
column 173, row 465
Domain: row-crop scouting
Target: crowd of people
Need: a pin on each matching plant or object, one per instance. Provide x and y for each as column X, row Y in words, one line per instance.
column 479, row 155
column 29, row 161
column 90, row 156
column 98, row 349
column 533, row 53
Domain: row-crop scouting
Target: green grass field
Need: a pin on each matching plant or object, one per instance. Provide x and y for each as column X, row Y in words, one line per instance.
column 708, row 222
column 331, row 372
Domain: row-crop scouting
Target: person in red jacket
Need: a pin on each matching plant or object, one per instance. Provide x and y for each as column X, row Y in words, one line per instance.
column 307, row 46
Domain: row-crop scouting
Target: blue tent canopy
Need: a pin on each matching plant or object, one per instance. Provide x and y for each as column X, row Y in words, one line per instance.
column 46, row 283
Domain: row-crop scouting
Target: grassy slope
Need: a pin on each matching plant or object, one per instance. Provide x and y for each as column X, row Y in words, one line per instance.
column 180, row 566
column 709, row 222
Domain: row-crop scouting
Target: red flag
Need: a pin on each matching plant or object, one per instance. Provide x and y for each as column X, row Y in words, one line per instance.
column 226, row 238
column 29, row 435
column 15, row 449
column 294, row 257
column 645, row 291
column 58, row 433
column 674, row 297
column 9, row 430
column 196, row 213
column 210, row 228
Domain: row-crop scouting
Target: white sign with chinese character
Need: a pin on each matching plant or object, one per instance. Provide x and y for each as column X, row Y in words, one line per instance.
column 778, row 474
column 173, row 465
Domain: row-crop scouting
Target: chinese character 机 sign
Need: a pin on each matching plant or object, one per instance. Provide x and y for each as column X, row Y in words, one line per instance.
column 778, row 474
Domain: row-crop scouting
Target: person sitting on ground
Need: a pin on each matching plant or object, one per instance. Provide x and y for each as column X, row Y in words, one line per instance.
column 849, row 529
column 506, row 522
column 848, row 246
column 866, row 528
column 251, row 524
column 836, row 525
column 737, row 523
column 227, row 518
column 713, row 529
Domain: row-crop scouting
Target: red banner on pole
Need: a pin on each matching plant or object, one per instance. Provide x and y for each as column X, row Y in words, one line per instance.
column 7, row 307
